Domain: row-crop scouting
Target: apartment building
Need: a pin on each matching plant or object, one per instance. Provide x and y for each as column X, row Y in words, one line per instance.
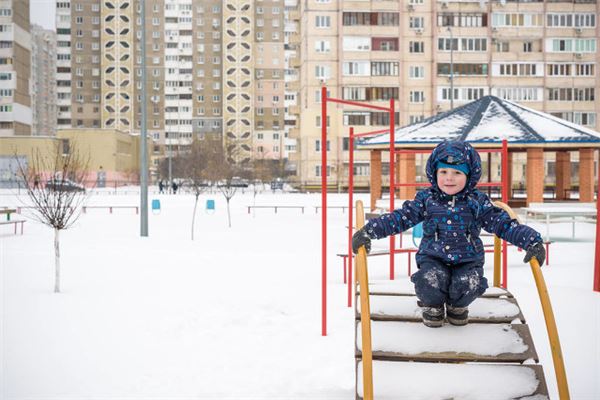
column 15, row 60
column 43, row 81
column 212, row 68
column 433, row 55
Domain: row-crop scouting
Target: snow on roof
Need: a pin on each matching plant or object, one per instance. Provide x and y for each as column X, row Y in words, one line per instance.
column 490, row 119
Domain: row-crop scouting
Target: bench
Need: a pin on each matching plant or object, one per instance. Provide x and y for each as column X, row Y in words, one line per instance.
column 8, row 211
column 275, row 208
column 329, row 207
column 15, row 223
column 110, row 208
column 560, row 212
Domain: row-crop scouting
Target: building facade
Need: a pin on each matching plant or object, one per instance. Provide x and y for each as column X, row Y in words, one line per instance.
column 212, row 68
column 43, row 81
column 15, row 68
column 433, row 55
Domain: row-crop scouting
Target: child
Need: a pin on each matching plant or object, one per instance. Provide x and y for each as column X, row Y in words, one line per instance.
column 451, row 255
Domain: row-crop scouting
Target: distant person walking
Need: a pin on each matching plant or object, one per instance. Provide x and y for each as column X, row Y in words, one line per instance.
column 161, row 186
column 174, row 187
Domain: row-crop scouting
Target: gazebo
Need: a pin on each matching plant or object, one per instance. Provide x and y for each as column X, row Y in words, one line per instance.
column 485, row 123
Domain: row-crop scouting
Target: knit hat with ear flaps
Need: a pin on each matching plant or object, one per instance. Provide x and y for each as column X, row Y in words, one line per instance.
column 464, row 168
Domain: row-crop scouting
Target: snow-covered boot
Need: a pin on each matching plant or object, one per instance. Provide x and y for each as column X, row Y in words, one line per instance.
column 457, row 315
column 433, row 317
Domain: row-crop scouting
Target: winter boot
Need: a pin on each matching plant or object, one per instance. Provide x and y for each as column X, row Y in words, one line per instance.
column 458, row 316
column 433, row 317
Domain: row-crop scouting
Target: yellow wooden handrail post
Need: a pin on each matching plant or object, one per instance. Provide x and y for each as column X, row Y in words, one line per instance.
column 497, row 254
column 365, row 310
column 540, row 283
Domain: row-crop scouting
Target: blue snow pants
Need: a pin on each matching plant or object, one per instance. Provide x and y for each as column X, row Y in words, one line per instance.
column 458, row 285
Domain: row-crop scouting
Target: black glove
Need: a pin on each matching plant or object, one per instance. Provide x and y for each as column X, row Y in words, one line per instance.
column 538, row 251
column 361, row 238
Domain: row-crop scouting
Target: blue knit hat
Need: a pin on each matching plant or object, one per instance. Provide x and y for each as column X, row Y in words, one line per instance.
column 464, row 167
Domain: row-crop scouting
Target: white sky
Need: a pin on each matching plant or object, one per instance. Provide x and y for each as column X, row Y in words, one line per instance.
column 42, row 12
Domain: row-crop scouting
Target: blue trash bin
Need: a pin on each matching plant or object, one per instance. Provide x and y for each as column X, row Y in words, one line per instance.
column 210, row 205
column 156, row 206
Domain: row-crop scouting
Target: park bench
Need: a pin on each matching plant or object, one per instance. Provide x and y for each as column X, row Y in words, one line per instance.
column 15, row 223
column 110, row 208
column 275, row 208
column 8, row 211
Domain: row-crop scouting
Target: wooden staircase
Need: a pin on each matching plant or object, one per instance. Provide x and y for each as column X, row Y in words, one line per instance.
column 491, row 357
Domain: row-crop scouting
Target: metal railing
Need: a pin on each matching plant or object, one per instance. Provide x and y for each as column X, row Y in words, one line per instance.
column 540, row 283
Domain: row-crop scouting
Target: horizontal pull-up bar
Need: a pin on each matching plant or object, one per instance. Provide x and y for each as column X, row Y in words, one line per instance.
column 354, row 103
column 417, row 184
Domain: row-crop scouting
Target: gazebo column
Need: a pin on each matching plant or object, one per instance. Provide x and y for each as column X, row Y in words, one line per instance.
column 375, row 177
column 586, row 175
column 407, row 173
column 535, row 175
column 563, row 174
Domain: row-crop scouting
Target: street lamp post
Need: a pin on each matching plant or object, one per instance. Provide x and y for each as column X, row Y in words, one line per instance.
column 143, row 133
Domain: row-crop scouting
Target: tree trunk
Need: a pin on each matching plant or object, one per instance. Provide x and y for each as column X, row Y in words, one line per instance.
column 56, row 261
column 228, row 213
column 194, row 216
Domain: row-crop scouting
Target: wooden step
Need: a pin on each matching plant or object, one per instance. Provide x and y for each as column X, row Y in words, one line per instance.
column 403, row 287
column 425, row 381
column 405, row 308
column 413, row 341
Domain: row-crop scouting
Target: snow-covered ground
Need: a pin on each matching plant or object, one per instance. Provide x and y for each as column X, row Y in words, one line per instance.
column 234, row 314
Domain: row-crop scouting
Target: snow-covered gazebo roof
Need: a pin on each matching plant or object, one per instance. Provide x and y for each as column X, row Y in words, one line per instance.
column 489, row 120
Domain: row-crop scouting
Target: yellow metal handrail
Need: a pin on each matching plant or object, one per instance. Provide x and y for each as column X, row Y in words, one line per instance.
column 365, row 310
column 557, row 357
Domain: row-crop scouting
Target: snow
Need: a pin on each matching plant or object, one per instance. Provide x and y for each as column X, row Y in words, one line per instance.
column 416, row 338
column 487, row 381
column 407, row 306
column 235, row 314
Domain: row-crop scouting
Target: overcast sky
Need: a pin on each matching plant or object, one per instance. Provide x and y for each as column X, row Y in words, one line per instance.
column 42, row 13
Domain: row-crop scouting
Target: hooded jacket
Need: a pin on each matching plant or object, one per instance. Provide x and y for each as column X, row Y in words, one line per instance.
column 452, row 224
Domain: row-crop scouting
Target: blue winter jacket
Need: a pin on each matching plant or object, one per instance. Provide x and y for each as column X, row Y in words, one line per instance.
column 452, row 224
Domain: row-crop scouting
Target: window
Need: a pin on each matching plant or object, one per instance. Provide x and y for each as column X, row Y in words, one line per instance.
column 502, row 46
column 520, row 94
column 356, row 68
column 460, row 69
column 322, row 46
column 517, row 19
column 416, row 96
column 462, row 19
column 527, row 47
column 416, row 22
column 322, row 21
column 416, row 47
column 384, row 68
column 322, row 71
column 517, row 69
column 416, row 72
column 354, row 93
column 356, row 43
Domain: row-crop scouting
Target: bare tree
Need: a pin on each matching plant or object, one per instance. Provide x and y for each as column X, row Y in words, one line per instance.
column 194, row 169
column 55, row 184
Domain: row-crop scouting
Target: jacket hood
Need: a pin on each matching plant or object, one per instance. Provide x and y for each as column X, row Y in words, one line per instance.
column 455, row 152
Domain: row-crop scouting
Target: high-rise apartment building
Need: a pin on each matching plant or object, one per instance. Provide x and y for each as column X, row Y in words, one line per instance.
column 43, row 81
column 15, row 61
column 212, row 67
column 431, row 55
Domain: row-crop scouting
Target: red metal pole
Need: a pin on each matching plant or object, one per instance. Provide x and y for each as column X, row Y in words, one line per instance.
column 392, row 162
column 597, row 255
column 505, row 184
column 324, row 211
column 350, row 202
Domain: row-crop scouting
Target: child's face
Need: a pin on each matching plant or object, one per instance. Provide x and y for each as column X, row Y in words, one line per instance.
column 450, row 180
